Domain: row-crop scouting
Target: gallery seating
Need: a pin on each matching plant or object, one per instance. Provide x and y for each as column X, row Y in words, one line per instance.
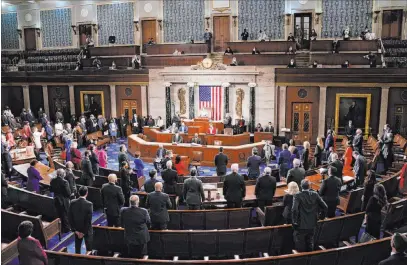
column 340, row 58
column 168, row 48
column 264, row 46
column 259, row 59
column 395, row 52
column 345, row 46
column 170, row 60
column 272, row 215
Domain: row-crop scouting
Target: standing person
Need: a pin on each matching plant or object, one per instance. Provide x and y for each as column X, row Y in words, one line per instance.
column 284, row 161
column 76, row 156
column 34, row 178
column 29, row 249
column 150, row 183
column 386, row 143
column 221, row 161
column 6, row 160
column 208, row 39
column 370, row 182
column 234, row 188
column 288, row 201
column 348, row 155
column 299, row 36
column 169, row 177
column 329, row 141
column 359, row 168
column 94, row 160
column 138, row 165
column 306, row 207
column 180, row 166
column 398, row 245
column 123, row 155
column 193, row 192
column 265, row 189
column 37, row 138
column 296, row 174
column 4, row 186
column 113, row 130
column 80, row 218
column 338, row 165
column 253, row 164
column 87, row 173
column 269, row 152
column 123, row 126
column 318, row 152
column 112, row 200
column 135, row 221
column 358, row 142
column 158, row 202
column 102, row 156
column 350, row 130
column 159, row 156
column 62, row 193
column 374, row 211
column 329, row 191
column 69, row 176
column 244, row 34
column 125, row 182
column 305, row 155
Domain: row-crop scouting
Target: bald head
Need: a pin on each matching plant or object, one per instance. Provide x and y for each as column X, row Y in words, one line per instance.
column 112, row 178
column 134, row 201
column 234, row 168
column 158, row 186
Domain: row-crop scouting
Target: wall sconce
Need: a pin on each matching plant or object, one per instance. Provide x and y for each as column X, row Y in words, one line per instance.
column 317, row 15
column 288, row 15
column 376, row 12
column 74, row 29
column 160, row 21
column 38, row 30
column 136, row 24
column 207, row 21
column 20, row 33
column 95, row 27
column 234, row 20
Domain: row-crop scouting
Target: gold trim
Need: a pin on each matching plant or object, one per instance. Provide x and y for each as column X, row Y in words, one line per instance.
column 76, row 84
column 319, row 84
column 82, row 93
column 368, row 106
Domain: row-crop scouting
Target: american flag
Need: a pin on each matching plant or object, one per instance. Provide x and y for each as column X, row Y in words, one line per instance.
column 211, row 97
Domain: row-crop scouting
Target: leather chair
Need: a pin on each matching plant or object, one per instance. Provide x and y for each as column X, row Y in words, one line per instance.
column 101, row 240
column 193, row 220
column 231, row 243
column 258, row 241
column 216, row 220
column 328, row 232
column 351, row 226
column 175, row 220
column 175, row 244
column 196, row 160
column 203, row 244
column 239, row 218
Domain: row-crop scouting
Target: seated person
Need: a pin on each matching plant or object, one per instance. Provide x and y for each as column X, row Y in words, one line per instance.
column 89, row 41
column 234, row 62
column 172, row 128
column 159, row 156
column 290, row 50
column 227, row 122
column 269, row 128
column 262, row 36
column 196, row 139
column 363, row 33
column 335, row 46
column 176, row 52
column 228, row 51
column 315, row 64
column 183, row 128
column 346, row 34
column 177, row 138
column 258, row 128
column 255, row 51
column 151, row 41
column 180, row 166
column 346, row 64
column 372, row 59
column 292, row 64
column 204, row 113
column 241, row 125
column 159, row 123
column 291, row 37
column 211, row 129
column 313, row 35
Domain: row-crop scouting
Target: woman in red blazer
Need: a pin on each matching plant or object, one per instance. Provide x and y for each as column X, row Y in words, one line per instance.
column 180, row 166
column 211, row 129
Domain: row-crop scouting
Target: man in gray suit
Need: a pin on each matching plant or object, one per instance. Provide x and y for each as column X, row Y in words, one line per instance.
column 158, row 203
column 193, row 192
column 359, row 168
column 177, row 138
column 221, row 161
column 296, row 174
column 253, row 164
column 234, row 188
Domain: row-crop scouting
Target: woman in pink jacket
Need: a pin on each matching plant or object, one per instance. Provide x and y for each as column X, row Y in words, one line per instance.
column 102, row 155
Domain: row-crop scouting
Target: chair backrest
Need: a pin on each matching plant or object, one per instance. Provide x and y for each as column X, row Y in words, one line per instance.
column 239, row 218
column 203, row 244
column 216, row 220
column 94, row 196
column 393, row 214
column 175, row 244
column 355, row 201
column 328, row 232
column 274, row 214
column 391, row 186
column 351, row 225
column 196, row 156
column 193, row 220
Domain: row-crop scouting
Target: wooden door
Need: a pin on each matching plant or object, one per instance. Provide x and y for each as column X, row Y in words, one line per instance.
column 30, row 39
column 129, row 107
column 221, row 33
column 302, row 121
column 148, row 30
column 84, row 31
column 400, row 119
column 392, row 23
column 304, row 21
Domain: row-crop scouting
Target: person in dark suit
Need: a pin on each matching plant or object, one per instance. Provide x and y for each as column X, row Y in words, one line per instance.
column 374, row 210
column 269, row 128
column 288, row 201
column 221, row 161
column 284, row 161
column 123, row 126
column 358, row 142
column 159, row 156
column 87, row 173
column 62, row 193
column 329, row 191
column 80, row 218
column 29, row 249
column 265, row 189
column 193, row 192
column 386, row 144
column 196, row 139
column 359, row 168
column 112, row 200
column 94, row 160
column 169, row 177
column 167, row 157
column 44, row 120
column 158, row 202
column 176, row 138
column 253, row 164
column 398, row 256
column 135, row 221
column 125, row 182
column 318, row 152
column 234, row 188
column 227, row 122
column 296, row 174
column 306, row 207
column 338, row 165
column 305, row 155
column 350, row 131
column 150, row 183
column 69, row 176
column 123, row 155
column 6, row 160
column 370, row 182
column 4, row 186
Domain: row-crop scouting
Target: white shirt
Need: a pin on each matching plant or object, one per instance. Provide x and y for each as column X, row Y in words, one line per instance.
column 59, row 128
column 37, row 139
column 160, row 123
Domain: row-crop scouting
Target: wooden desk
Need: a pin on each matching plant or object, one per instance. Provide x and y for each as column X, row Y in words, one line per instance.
column 236, row 154
column 115, row 50
column 344, row 46
column 265, row 46
column 170, row 48
column 171, row 60
column 45, row 171
column 259, row 59
column 204, row 124
column 263, row 136
column 19, row 156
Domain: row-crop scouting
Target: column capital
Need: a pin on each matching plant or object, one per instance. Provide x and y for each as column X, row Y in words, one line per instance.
column 189, row 84
column 44, row 86
column 226, row 84
column 112, row 86
column 252, row 84
column 385, row 87
column 167, row 84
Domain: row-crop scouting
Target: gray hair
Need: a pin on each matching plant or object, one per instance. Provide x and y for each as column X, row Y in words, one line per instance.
column 334, row 156
column 134, row 200
column 169, row 164
column 60, row 173
column 267, row 170
column 234, row 167
column 296, row 162
column 69, row 164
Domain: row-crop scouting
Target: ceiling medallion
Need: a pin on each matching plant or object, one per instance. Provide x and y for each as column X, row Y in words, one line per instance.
column 302, row 93
column 128, row 91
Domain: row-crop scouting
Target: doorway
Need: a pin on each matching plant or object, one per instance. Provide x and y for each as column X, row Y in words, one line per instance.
column 400, row 119
column 30, row 39
column 302, row 122
column 392, row 23
column 84, row 31
column 148, row 30
column 129, row 108
column 221, row 33
column 304, row 21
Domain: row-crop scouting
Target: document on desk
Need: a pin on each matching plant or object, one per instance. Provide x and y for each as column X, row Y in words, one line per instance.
column 347, row 178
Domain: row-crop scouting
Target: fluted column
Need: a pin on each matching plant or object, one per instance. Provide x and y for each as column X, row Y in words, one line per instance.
column 191, row 96
column 113, row 101
column 72, row 100
column 282, row 111
column 45, row 96
column 144, row 100
column 168, row 104
column 384, row 105
column 226, row 97
column 322, row 110
column 26, row 96
column 252, row 110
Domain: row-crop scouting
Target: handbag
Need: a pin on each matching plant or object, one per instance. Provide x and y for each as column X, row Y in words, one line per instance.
column 366, row 237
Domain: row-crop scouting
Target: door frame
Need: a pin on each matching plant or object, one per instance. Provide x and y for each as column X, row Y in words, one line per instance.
column 212, row 29
column 78, row 37
column 158, row 32
column 37, row 38
column 301, row 126
column 311, row 24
